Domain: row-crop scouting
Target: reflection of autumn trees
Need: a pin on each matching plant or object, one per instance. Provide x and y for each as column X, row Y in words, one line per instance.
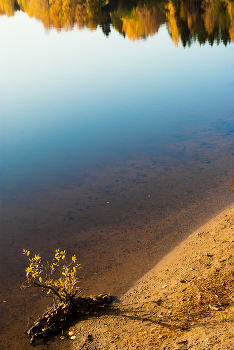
column 187, row 20
column 8, row 7
column 230, row 7
column 207, row 20
column 141, row 21
column 89, row 14
column 64, row 13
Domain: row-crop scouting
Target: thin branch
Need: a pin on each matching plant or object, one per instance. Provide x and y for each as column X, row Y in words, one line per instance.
column 34, row 283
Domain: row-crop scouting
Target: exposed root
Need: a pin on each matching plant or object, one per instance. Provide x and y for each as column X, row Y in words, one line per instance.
column 56, row 319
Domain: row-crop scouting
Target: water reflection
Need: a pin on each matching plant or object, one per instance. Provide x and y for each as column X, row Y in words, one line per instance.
column 187, row 21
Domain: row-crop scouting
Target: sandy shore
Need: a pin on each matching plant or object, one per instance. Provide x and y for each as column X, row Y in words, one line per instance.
column 185, row 302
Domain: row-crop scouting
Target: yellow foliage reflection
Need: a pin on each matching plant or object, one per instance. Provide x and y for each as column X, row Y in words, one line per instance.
column 7, row 7
column 172, row 25
column 209, row 18
column 230, row 7
column 142, row 22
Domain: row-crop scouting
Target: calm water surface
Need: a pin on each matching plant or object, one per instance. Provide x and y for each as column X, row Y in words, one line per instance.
column 116, row 138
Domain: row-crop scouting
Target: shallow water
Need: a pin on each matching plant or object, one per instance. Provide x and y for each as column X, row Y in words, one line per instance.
column 114, row 148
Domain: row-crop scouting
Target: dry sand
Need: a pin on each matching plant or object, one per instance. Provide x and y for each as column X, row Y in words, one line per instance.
column 185, row 302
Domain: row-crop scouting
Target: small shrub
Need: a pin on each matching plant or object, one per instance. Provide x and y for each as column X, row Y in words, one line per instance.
column 58, row 278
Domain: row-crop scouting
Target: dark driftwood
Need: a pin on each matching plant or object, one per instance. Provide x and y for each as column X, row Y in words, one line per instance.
column 58, row 318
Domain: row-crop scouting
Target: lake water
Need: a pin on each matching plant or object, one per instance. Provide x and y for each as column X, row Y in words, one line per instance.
column 116, row 138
